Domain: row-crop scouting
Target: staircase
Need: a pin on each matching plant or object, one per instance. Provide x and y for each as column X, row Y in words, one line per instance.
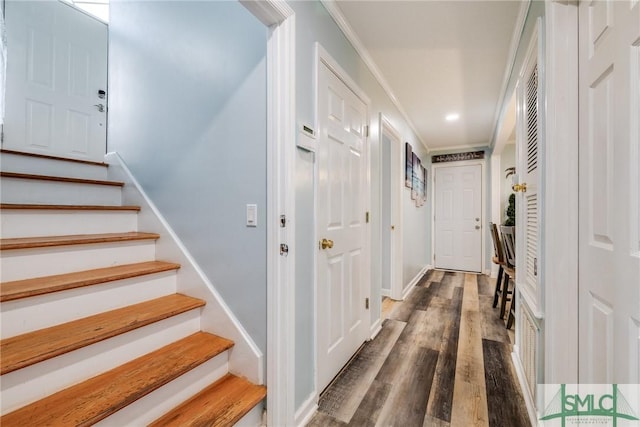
column 93, row 329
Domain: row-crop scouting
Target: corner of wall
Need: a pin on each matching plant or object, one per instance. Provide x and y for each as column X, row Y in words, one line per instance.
column 246, row 358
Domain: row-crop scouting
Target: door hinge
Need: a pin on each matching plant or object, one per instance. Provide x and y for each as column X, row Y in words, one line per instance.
column 366, row 217
column 283, row 221
column 2, row 134
column 366, row 131
column 366, row 303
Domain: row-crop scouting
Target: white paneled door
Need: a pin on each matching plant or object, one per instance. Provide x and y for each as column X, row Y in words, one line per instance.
column 342, row 255
column 57, row 63
column 458, row 218
column 609, row 248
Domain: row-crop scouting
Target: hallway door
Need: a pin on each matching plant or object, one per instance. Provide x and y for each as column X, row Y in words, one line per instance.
column 458, row 218
column 342, row 260
column 609, row 197
column 57, row 63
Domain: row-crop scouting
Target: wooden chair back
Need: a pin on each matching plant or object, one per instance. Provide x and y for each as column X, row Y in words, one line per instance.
column 509, row 244
column 497, row 245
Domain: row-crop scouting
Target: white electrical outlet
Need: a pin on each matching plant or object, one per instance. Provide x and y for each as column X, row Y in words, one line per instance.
column 252, row 215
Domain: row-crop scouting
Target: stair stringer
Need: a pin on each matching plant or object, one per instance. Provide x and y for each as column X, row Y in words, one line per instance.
column 245, row 358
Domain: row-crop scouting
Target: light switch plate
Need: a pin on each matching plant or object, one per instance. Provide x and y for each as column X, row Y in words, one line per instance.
column 252, row 215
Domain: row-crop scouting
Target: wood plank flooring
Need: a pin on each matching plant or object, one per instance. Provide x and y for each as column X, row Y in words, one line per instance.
column 443, row 358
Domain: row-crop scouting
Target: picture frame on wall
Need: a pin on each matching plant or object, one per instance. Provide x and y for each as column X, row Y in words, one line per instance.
column 424, row 185
column 415, row 181
column 408, row 167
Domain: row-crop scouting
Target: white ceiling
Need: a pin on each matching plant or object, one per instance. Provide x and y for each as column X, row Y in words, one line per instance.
column 440, row 57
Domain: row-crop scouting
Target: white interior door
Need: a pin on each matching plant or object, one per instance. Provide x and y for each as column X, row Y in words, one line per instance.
column 458, row 218
column 342, row 325
column 609, row 248
column 529, row 155
column 392, row 182
column 56, row 64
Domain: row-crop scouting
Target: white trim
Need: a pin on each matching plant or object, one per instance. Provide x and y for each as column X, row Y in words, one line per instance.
column 375, row 328
column 385, row 293
column 483, row 206
column 559, row 219
column 353, row 38
column 246, row 358
column 411, row 285
column 281, row 143
column 307, row 411
column 322, row 55
column 396, row 172
column 528, row 399
column 513, row 50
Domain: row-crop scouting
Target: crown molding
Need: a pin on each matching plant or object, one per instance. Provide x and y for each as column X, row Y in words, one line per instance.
column 353, row 38
column 513, row 50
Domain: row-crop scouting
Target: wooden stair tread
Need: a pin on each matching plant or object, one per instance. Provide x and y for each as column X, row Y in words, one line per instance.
column 33, row 347
column 98, row 397
column 47, row 156
column 73, row 239
column 9, row 206
column 221, row 404
column 60, row 179
column 25, row 288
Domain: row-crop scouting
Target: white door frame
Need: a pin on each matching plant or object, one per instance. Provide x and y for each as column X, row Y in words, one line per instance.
column 396, row 171
column 559, row 216
column 281, row 112
column 483, row 208
column 322, row 57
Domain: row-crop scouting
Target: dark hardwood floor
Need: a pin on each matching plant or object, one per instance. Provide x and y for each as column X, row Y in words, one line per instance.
column 443, row 358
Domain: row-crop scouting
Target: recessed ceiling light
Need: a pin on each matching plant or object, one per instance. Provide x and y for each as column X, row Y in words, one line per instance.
column 452, row 117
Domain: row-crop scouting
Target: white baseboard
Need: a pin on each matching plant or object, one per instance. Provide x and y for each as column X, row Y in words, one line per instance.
column 528, row 399
column 385, row 292
column 245, row 359
column 306, row 411
column 414, row 281
column 375, row 328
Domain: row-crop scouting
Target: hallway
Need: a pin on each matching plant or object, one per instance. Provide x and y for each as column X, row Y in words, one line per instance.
column 443, row 358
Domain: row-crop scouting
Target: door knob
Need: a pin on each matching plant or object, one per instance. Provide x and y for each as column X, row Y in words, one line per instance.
column 477, row 227
column 520, row 188
column 100, row 107
column 393, row 227
column 326, row 243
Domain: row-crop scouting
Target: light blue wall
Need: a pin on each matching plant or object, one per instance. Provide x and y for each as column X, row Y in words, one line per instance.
column 313, row 23
column 416, row 224
column 187, row 112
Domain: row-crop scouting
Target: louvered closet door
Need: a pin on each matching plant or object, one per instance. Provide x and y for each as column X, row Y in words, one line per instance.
column 529, row 154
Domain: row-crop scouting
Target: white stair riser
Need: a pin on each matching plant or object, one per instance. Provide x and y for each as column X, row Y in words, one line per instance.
column 37, row 381
column 40, row 166
column 30, row 314
column 252, row 419
column 19, row 190
column 33, row 223
column 28, row 263
column 159, row 402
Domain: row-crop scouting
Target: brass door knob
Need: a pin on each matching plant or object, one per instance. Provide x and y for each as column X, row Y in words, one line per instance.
column 326, row 243
column 520, row 188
